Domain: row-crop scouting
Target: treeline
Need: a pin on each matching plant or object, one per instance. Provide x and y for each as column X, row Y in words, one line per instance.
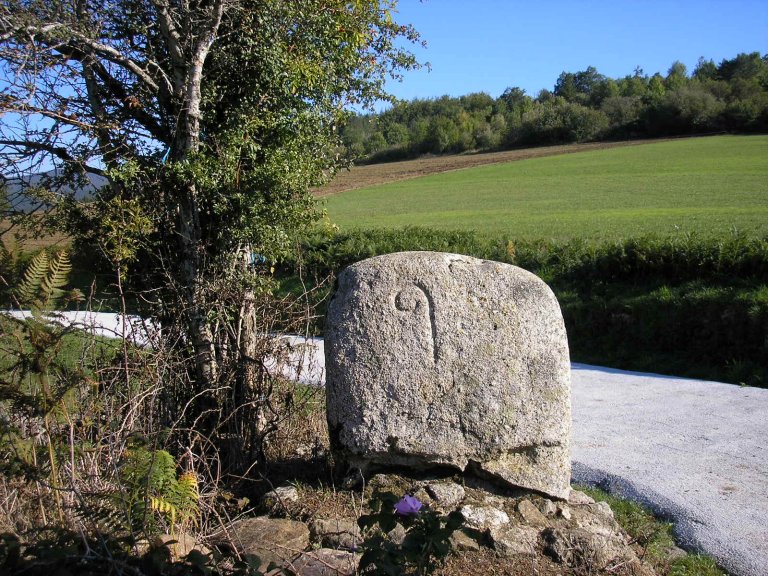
column 584, row 106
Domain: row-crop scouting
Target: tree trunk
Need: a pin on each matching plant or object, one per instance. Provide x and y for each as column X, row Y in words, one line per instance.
column 193, row 289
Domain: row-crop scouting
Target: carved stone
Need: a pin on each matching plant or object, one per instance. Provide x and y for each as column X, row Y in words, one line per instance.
column 444, row 360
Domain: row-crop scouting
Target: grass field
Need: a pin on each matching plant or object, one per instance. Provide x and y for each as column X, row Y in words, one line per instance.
column 709, row 186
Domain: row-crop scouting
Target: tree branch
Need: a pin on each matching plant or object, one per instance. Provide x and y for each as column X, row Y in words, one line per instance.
column 12, row 104
column 79, row 44
column 172, row 39
column 114, row 56
column 192, row 91
column 129, row 103
column 58, row 151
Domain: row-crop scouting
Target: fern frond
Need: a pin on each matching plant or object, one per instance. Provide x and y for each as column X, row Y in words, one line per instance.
column 188, row 497
column 161, row 473
column 33, row 278
column 160, row 504
column 189, row 489
column 51, row 287
column 149, row 477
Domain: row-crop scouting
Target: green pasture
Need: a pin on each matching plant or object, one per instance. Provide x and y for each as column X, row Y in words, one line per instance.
column 709, row 186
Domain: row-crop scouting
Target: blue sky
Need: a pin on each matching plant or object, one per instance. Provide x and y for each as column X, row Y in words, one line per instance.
column 489, row 45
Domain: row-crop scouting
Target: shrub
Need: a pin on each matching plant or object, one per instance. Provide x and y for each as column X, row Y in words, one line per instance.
column 99, row 444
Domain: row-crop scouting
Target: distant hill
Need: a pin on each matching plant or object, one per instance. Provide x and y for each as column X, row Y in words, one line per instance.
column 19, row 200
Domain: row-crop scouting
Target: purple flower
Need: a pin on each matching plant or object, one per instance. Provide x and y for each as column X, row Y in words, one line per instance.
column 408, row 505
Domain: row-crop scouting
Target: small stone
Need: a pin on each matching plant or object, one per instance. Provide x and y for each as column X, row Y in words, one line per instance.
column 281, row 497
column 514, row 540
column 463, row 542
column 422, row 495
column 141, row 547
column 333, row 533
column 179, row 545
column 602, row 508
column 493, row 501
column 287, row 493
column 546, row 507
column 446, row 494
column 595, row 521
column 578, row 547
column 531, row 515
column 564, row 511
column 325, row 562
column 380, row 481
column 483, row 517
column 271, row 539
column 674, row 553
column 397, row 534
column 579, row 498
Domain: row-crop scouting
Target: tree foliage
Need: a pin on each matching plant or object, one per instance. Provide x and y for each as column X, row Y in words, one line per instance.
column 209, row 121
column 583, row 105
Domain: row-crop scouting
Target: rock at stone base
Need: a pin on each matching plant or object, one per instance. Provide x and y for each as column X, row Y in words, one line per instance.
column 179, row 545
column 446, row 494
column 445, row 360
column 462, row 542
column 334, row 533
column 325, row 562
column 596, row 519
column 675, row 553
column 590, row 542
column 580, row 548
column 564, row 511
column 280, row 497
column 546, row 506
column 602, row 508
column 514, row 540
column 271, row 539
column 531, row 514
column 578, row 498
column 483, row 517
column 397, row 534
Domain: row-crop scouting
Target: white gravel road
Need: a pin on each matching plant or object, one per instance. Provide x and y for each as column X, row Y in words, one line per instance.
column 696, row 452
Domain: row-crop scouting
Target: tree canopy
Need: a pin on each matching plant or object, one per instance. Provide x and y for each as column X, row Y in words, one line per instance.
column 209, row 119
column 583, row 105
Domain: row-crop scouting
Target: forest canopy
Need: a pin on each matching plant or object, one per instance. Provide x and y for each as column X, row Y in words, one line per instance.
column 731, row 96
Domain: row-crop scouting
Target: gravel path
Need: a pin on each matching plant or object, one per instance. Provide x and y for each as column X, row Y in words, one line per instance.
column 693, row 451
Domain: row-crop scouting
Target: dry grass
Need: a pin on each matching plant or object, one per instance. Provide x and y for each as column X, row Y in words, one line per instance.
column 487, row 562
column 13, row 237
